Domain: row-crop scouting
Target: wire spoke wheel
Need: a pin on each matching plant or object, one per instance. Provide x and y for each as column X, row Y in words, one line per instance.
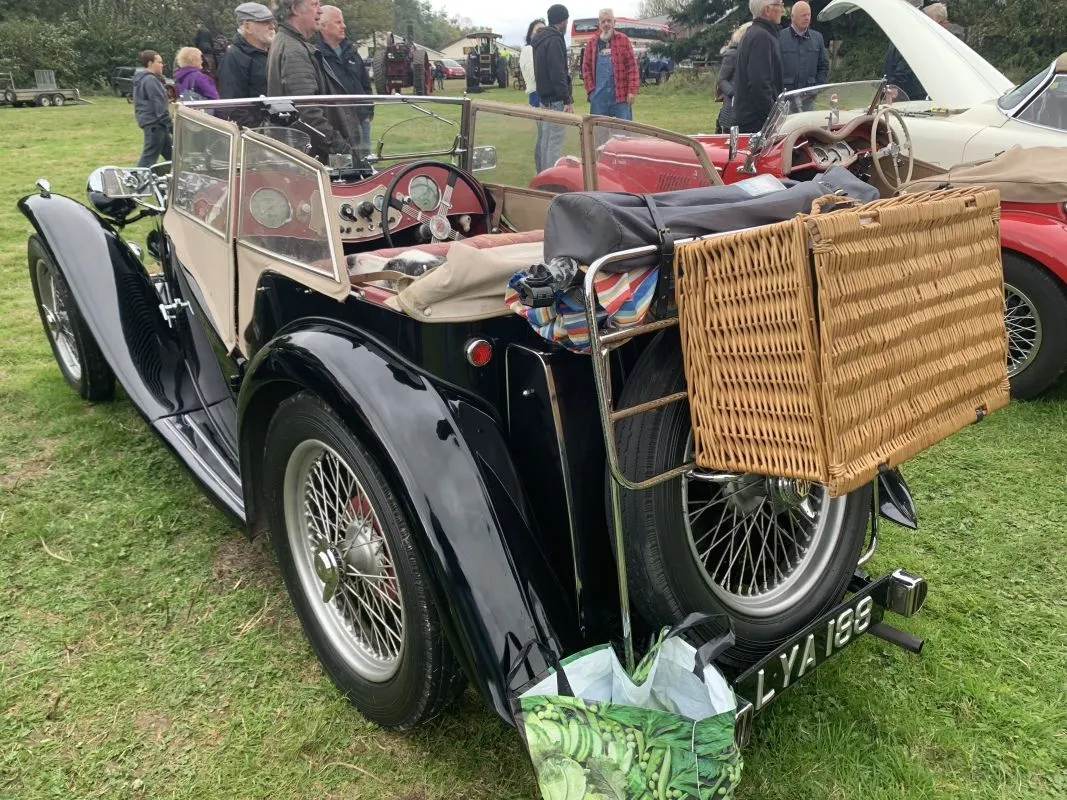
column 1024, row 329
column 56, row 316
column 761, row 541
column 342, row 558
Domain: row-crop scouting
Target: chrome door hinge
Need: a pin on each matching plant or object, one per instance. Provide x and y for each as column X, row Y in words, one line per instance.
column 171, row 310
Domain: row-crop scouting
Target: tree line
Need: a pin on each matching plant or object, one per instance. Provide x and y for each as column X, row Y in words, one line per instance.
column 84, row 40
column 1019, row 37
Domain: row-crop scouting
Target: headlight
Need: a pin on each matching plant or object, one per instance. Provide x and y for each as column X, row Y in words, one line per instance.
column 270, row 208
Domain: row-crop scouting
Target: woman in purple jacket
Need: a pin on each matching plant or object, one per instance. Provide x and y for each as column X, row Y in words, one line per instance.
column 190, row 79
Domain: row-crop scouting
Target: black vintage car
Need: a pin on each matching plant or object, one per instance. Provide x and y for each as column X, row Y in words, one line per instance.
column 431, row 470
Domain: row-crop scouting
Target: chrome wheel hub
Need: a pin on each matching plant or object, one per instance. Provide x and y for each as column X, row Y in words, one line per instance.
column 760, row 541
column 1023, row 326
column 327, row 567
column 342, row 561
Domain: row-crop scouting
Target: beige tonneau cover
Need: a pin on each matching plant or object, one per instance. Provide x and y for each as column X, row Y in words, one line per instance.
column 1023, row 175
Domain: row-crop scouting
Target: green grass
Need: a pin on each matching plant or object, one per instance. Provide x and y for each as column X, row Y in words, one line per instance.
column 147, row 649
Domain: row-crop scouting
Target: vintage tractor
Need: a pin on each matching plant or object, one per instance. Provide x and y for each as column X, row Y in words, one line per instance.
column 483, row 61
column 398, row 64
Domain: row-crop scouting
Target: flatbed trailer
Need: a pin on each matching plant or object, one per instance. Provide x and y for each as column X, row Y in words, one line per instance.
column 45, row 93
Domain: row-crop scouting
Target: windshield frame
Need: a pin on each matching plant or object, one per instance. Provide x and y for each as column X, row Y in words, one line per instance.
column 768, row 134
column 1046, row 75
column 459, row 150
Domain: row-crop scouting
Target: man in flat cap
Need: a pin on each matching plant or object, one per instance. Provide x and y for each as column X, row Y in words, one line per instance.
column 243, row 71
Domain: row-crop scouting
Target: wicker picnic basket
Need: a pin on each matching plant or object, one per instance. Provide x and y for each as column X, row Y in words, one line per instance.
column 826, row 346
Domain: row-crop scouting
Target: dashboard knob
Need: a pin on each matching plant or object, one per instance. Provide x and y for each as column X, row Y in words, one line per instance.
column 366, row 209
column 346, row 212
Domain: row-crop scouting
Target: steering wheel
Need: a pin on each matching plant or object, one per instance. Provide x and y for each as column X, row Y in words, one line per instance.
column 894, row 149
column 437, row 220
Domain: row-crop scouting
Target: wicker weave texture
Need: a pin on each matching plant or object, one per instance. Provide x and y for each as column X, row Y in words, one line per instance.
column 826, row 346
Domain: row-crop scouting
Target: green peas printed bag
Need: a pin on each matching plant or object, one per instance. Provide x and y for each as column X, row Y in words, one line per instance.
column 596, row 733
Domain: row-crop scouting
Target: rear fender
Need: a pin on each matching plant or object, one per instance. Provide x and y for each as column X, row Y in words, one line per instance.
column 118, row 302
column 1036, row 236
column 449, row 462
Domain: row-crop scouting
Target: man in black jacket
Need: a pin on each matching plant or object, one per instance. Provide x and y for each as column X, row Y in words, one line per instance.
column 243, row 71
column 553, row 81
column 340, row 54
column 758, row 76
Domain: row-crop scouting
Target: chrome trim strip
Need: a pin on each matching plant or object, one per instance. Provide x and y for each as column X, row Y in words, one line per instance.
column 182, row 439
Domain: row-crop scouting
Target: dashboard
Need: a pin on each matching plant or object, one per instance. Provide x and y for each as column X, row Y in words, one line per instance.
column 836, row 153
column 357, row 209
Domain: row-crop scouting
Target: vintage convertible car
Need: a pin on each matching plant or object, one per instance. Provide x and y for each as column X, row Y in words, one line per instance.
column 972, row 111
column 425, row 463
column 812, row 130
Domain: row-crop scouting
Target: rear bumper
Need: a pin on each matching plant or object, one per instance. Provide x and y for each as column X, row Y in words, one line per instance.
column 861, row 613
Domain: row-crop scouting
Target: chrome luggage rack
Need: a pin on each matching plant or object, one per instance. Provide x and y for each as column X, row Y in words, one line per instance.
column 600, row 346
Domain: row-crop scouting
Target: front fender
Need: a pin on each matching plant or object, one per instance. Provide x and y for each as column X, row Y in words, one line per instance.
column 492, row 583
column 115, row 297
column 1037, row 236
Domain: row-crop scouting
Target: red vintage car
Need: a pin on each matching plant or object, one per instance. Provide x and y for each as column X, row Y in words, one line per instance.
column 856, row 125
column 451, row 68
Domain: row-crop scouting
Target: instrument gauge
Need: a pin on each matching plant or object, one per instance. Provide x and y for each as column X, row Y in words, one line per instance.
column 424, row 193
column 270, row 208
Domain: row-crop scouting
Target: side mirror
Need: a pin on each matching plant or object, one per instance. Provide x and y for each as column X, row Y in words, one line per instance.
column 483, row 157
column 734, row 133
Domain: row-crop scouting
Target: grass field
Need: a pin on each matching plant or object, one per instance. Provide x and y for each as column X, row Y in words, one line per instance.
column 148, row 649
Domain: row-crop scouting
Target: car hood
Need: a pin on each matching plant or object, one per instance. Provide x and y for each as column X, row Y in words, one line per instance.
column 952, row 73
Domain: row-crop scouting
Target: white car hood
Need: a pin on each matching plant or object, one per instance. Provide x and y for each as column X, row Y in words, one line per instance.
column 952, row 73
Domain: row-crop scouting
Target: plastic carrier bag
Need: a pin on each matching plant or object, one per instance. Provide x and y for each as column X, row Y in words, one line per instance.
column 595, row 732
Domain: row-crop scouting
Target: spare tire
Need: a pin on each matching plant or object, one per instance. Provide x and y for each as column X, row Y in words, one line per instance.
column 772, row 554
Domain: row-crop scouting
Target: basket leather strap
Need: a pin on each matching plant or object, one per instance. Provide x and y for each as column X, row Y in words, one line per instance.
column 665, row 282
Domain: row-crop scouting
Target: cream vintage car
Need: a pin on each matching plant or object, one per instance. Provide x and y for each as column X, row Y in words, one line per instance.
column 972, row 111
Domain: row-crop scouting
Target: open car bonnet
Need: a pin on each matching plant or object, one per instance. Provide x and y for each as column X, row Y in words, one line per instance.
column 951, row 72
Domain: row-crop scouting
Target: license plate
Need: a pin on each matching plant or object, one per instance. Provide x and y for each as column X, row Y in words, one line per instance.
column 819, row 642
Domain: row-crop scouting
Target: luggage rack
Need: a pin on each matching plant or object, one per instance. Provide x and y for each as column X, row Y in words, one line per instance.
column 600, row 346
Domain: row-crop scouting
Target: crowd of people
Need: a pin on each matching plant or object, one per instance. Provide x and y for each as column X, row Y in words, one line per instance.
column 300, row 49
column 762, row 59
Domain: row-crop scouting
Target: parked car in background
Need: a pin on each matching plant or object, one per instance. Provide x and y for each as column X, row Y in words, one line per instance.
column 121, row 82
column 972, row 111
column 855, row 126
column 654, row 68
column 452, row 69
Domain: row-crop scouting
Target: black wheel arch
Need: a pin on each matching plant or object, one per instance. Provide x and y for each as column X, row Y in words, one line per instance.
column 492, row 586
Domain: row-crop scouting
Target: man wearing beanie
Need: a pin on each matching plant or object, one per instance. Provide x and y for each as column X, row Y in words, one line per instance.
column 552, row 79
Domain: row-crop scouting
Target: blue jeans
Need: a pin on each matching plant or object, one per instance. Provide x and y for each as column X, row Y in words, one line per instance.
column 550, row 138
column 610, row 109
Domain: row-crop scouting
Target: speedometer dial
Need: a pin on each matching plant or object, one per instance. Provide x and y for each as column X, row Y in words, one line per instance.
column 424, row 193
column 270, row 208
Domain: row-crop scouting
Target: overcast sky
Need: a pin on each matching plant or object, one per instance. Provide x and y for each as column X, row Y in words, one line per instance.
column 510, row 18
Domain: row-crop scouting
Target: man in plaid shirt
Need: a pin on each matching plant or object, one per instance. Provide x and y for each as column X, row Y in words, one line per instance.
column 609, row 71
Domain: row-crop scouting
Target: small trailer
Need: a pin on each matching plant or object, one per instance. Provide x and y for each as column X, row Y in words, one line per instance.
column 46, row 93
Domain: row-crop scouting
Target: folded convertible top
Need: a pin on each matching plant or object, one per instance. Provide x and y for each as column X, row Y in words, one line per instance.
column 588, row 225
